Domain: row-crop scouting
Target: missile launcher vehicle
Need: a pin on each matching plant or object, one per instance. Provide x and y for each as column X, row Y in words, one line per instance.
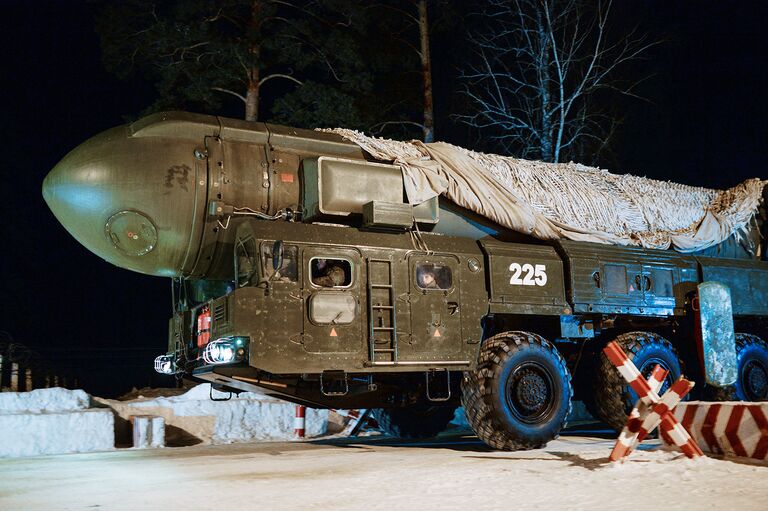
column 299, row 269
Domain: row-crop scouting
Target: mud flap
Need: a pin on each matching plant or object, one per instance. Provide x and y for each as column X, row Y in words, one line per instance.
column 718, row 341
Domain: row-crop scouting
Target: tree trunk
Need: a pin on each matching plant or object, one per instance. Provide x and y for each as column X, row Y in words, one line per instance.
column 543, row 72
column 252, row 94
column 426, row 71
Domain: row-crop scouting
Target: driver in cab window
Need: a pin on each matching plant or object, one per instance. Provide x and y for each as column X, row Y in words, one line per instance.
column 328, row 273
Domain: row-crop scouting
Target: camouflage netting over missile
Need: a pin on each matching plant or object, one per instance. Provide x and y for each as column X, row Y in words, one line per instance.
column 573, row 201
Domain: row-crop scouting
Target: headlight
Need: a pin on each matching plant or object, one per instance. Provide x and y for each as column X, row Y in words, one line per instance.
column 164, row 364
column 225, row 350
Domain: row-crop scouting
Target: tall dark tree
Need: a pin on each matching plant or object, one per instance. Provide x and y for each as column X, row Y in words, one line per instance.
column 300, row 56
column 545, row 74
column 404, row 56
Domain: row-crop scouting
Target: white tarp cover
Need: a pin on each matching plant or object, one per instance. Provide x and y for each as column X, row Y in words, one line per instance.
column 569, row 200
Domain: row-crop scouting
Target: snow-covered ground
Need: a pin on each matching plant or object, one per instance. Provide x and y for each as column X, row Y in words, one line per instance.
column 374, row 473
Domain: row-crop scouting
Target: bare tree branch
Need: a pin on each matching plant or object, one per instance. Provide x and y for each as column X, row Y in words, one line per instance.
column 279, row 75
column 227, row 91
column 540, row 65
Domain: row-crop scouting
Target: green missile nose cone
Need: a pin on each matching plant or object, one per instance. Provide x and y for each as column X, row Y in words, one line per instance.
column 130, row 199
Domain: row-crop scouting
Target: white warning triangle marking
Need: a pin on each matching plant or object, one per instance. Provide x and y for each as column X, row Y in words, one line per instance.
column 437, row 333
column 333, row 332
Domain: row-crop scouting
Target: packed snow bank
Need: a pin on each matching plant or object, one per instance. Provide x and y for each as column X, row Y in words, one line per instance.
column 52, row 421
column 193, row 417
column 33, row 434
column 44, row 400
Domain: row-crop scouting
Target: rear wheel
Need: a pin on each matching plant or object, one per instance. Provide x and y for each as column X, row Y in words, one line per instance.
column 614, row 398
column 415, row 421
column 752, row 359
column 520, row 394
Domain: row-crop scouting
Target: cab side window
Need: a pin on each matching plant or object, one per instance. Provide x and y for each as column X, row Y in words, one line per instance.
column 289, row 268
column 246, row 262
column 433, row 276
column 327, row 272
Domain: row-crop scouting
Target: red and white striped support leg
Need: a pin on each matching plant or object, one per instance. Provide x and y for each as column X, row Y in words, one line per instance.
column 679, row 436
column 627, row 440
column 357, row 421
column 630, row 373
column 656, row 410
column 299, row 422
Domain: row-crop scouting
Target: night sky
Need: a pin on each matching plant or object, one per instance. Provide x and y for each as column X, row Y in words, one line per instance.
column 706, row 125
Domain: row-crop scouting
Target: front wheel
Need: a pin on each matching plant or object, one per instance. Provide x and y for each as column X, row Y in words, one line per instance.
column 519, row 397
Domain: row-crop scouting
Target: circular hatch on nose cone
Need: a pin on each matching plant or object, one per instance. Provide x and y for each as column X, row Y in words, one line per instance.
column 132, row 233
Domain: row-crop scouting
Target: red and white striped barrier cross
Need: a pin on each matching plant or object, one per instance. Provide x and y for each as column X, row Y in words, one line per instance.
column 651, row 411
column 628, row 439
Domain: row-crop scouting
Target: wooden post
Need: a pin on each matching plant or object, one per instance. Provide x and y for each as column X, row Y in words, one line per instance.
column 14, row 377
column 28, row 379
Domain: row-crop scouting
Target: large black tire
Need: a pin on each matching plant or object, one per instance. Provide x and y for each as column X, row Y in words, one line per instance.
column 519, row 397
column 752, row 358
column 414, row 422
column 614, row 398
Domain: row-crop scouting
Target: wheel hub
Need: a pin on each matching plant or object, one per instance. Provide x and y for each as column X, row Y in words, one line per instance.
column 529, row 392
column 756, row 380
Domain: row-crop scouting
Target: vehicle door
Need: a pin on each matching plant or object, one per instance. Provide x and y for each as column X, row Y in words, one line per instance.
column 435, row 309
column 332, row 293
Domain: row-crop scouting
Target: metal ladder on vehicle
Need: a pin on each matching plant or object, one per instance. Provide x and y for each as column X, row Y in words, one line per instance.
column 376, row 267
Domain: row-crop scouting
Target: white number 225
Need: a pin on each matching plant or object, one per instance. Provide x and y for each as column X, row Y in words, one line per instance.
column 534, row 276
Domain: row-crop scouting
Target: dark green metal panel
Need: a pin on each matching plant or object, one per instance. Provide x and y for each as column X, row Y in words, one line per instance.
column 525, row 279
column 627, row 280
